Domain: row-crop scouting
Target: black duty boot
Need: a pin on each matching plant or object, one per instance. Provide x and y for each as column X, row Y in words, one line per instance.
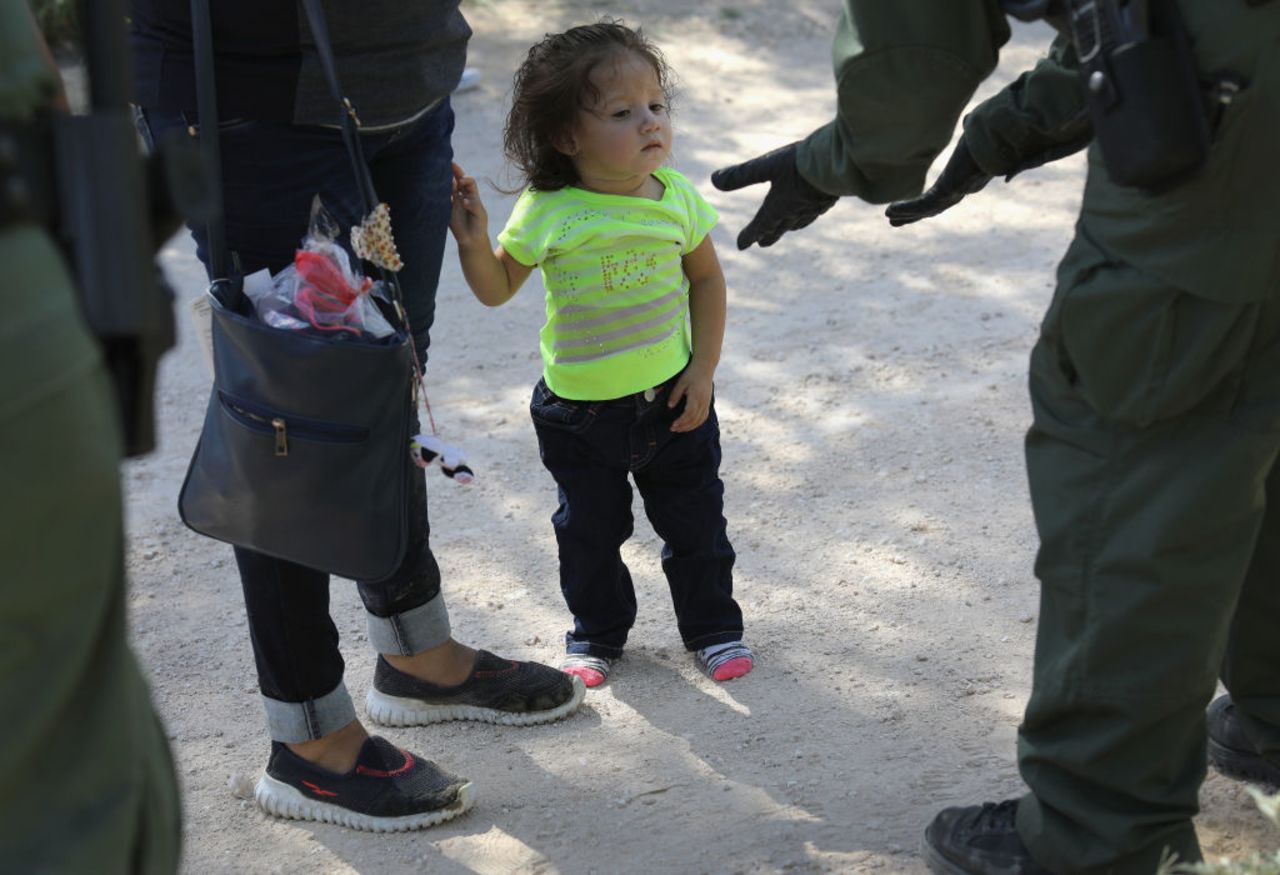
column 1230, row 750
column 979, row 839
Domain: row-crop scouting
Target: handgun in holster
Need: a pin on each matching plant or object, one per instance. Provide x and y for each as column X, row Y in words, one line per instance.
column 1142, row 89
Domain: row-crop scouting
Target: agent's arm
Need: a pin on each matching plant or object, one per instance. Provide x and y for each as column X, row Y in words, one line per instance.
column 1039, row 117
column 32, row 81
column 903, row 76
column 493, row 275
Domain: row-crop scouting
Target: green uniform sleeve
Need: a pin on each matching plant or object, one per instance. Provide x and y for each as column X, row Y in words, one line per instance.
column 904, row 73
column 26, row 83
column 1039, row 117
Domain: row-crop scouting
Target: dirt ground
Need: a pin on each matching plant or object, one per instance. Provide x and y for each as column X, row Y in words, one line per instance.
column 872, row 400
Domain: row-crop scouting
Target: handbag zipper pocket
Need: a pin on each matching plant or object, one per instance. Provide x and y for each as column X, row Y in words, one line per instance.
column 269, row 421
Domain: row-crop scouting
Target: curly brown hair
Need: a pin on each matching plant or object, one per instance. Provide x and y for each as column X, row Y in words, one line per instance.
column 554, row 83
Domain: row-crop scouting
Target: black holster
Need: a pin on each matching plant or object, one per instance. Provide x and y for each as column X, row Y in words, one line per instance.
column 1143, row 91
column 104, row 222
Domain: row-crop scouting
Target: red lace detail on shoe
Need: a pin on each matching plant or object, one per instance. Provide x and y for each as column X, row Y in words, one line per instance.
column 497, row 673
column 380, row 773
column 319, row 791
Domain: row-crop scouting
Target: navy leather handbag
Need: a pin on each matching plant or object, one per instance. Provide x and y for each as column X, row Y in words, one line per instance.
column 304, row 454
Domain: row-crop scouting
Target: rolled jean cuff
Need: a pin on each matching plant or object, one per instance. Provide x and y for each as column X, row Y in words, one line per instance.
column 412, row 631
column 296, row 722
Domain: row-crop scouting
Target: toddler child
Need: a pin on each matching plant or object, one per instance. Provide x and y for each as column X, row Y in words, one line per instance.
column 635, row 318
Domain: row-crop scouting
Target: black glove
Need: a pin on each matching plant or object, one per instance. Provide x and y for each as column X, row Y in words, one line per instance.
column 791, row 204
column 962, row 176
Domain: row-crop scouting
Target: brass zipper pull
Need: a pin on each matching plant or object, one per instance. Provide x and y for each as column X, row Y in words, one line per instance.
column 282, row 437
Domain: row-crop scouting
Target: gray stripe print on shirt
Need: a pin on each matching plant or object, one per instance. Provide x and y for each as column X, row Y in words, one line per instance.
column 602, row 352
column 671, row 315
column 621, row 313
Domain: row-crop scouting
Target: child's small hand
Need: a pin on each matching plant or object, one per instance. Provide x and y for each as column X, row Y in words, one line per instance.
column 695, row 387
column 468, row 220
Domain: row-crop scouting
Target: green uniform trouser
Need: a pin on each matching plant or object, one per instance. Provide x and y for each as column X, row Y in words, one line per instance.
column 87, row 780
column 1152, row 463
column 1156, row 390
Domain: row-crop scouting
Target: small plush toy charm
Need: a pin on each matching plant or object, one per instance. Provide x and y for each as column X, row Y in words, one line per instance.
column 428, row 447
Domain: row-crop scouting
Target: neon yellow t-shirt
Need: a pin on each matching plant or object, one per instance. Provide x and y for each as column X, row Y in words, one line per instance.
column 617, row 295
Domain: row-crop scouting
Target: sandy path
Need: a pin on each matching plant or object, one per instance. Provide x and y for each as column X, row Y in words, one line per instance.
column 872, row 402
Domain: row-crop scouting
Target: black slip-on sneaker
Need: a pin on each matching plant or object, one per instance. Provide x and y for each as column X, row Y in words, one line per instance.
column 388, row 790
column 498, row 691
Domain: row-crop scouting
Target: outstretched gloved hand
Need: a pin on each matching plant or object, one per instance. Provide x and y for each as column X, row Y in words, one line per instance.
column 791, row 204
column 960, row 177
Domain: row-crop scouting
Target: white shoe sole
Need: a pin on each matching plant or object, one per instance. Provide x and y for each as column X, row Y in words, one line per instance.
column 278, row 798
column 388, row 710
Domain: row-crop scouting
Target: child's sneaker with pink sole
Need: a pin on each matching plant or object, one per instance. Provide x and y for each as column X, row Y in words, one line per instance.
column 724, row 662
column 592, row 670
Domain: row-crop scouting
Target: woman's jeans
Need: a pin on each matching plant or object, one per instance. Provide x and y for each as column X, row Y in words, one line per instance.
column 270, row 174
column 590, row 448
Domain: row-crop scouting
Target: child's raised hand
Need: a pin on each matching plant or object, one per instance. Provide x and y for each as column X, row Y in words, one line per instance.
column 468, row 220
column 694, row 386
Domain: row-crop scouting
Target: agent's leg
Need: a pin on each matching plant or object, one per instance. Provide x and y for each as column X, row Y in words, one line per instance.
column 684, row 500
column 1244, row 725
column 1148, row 495
column 88, row 781
column 1251, row 668
column 1157, row 421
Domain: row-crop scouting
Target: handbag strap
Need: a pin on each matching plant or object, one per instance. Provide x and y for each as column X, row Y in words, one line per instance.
column 207, row 106
column 346, row 112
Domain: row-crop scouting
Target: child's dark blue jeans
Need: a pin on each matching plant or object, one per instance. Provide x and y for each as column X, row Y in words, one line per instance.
column 590, row 448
